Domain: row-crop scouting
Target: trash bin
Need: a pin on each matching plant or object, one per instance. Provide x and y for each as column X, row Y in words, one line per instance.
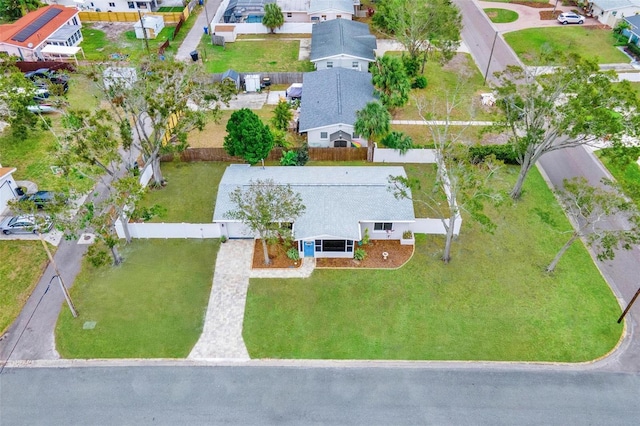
column 206, row 30
column 200, row 2
column 194, row 55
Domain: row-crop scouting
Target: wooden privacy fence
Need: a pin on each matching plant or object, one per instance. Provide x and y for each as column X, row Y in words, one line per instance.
column 315, row 154
column 169, row 17
column 24, row 66
column 275, row 77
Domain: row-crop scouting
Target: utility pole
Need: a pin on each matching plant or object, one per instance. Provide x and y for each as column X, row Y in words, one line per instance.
column 206, row 14
column 144, row 32
column 633, row 299
column 67, row 297
column 495, row 37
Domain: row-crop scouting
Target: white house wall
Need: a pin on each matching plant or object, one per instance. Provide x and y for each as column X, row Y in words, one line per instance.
column 6, row 192
column 287, row 28
column 329, row 15
column 398, row 229
column 343, row 61
column 297, row 16
column 315, row 141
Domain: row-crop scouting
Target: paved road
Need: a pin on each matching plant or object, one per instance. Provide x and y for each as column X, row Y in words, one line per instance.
column 479, row 34
column 622, row 273
column 191, row 41
column 298, row 396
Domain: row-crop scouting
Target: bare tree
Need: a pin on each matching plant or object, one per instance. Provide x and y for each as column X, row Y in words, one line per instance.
column 461, row 185
column 592, row 207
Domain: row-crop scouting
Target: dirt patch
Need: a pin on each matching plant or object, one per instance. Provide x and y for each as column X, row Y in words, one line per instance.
column 460, row 64
column 277, row 255
column 494, row 139
column 113, row 30
column 398, row 255
column 549, row 15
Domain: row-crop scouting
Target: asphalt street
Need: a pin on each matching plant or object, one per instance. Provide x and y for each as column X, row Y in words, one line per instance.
column 300, row 396
column 479, row 34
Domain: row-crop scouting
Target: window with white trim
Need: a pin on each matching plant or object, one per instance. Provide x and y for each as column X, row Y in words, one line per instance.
column 324, row 135
column 383, row 226
column 329, row 64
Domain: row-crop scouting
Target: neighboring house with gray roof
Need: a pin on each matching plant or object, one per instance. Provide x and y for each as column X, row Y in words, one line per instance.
column 341, row 202
column 330, row 100
column 325, row 10
column 633, row 32
column 342, row 43
column 610, row 12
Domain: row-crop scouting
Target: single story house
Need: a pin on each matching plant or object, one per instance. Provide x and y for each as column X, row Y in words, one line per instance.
column 325, row 10
column 7, row 187
column 294, row 10
column 341, row 202
column 47, row 26
column 329, row 104
column 633, row 32
column 109, row 5
column 153, row 24
column 341, row 43
column 610, row 12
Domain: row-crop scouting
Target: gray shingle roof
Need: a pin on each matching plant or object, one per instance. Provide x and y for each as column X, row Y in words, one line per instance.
column 336, row 198
column 342, row 36
column 333, row 96
column 634, row 21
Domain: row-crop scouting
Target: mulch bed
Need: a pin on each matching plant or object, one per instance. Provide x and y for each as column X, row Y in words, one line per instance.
column 398, row 256
column 549, row 15
column 277, row 255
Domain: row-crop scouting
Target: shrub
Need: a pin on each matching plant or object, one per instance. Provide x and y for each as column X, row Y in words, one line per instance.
column 359, row 254
column 289, row 158
column 293, row 254
column 420, row 82
column 504, row 153
column 365, row 237
column 407, row 235
column 302, row 155
column 411, row 65
column 399, row 141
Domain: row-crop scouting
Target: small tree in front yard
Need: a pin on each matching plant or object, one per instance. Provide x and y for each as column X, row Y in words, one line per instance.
column 592, row 207
column 282, row 115
column 247, row 136
column 267, row 209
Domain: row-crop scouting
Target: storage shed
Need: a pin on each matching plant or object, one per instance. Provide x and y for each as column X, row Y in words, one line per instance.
column 153, row 24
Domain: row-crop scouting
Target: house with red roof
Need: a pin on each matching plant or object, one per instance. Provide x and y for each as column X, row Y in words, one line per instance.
column 55, row 26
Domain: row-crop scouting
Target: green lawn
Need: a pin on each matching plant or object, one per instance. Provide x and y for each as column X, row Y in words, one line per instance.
column 98, row 48
column 21, row 267
column 590, row 42
column 461, row 78
column 170, row 9
column 146, row 308
column 627, row 175
column 191, row 193
column 492, row 302
column 501, row 16
column 253, row 56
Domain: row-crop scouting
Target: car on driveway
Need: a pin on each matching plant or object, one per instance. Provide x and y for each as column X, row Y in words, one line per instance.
column 43, row 199
column 570, row 18
column 26, row 224
column 44, row 76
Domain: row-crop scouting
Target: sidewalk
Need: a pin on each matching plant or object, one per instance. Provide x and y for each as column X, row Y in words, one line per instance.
column 194, row 36
column 221, row 336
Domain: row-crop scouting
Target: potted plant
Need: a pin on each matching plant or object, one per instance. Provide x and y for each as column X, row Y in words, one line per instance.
column 223, row 239
column 407, row 238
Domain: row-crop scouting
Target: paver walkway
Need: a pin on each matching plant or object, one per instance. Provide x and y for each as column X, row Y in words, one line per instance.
column 222, row 334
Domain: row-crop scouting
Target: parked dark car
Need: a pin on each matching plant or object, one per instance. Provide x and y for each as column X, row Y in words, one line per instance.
column 44, row 77
column 26, row 224
column 42, row 199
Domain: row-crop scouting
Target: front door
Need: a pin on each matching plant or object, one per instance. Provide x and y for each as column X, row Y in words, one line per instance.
column 309, row 248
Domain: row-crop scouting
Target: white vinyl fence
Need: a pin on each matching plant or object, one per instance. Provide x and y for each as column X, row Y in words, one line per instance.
column 170, row 230
column 433, row 226
column 286, row 28
column 386, row 155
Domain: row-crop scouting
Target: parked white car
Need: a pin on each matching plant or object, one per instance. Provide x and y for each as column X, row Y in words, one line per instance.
column 26, row 224
column 570, row 18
